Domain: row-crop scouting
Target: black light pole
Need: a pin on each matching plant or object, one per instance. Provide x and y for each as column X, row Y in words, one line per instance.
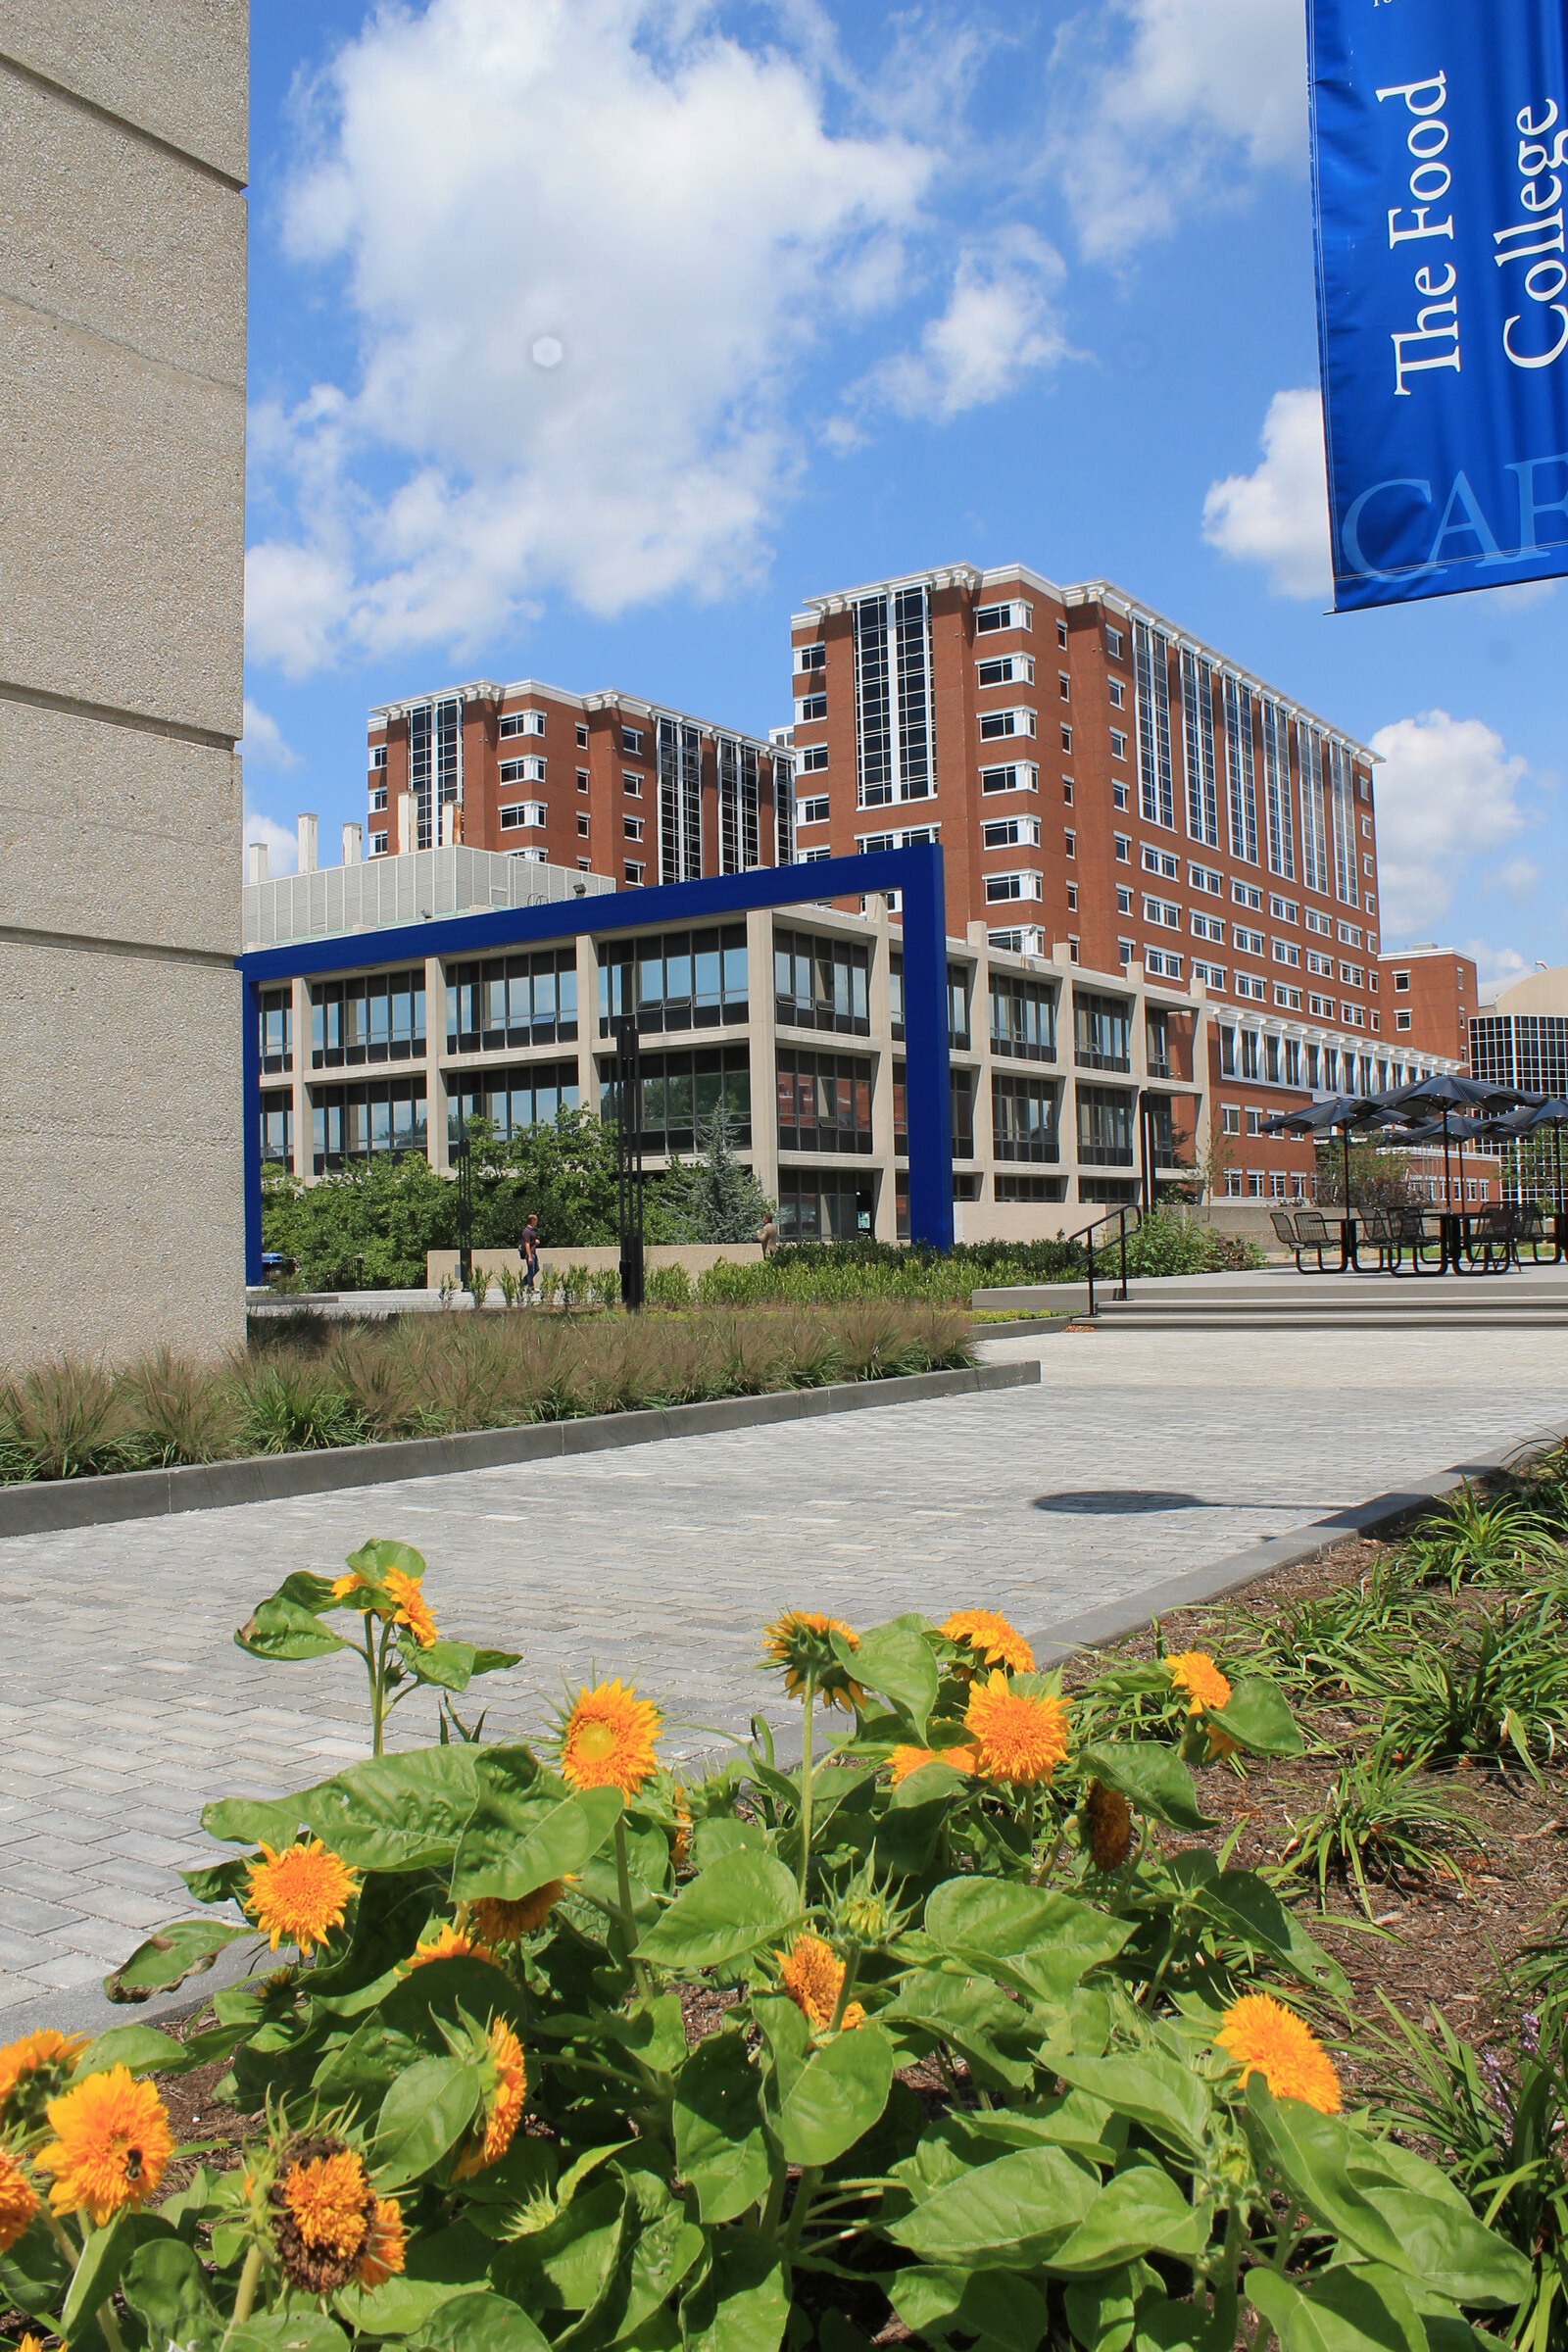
column 629, row 1161
column 1144, row 1153
column 465, row 1164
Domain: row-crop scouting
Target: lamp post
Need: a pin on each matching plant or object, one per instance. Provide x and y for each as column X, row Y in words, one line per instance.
column 464, row 1167
column 629, row 1161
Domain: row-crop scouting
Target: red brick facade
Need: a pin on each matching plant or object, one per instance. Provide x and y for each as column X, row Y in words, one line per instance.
column 1429, row 995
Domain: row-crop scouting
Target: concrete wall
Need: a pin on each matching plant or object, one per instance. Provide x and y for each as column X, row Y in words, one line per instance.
column 694, row 1256
column 122, row 161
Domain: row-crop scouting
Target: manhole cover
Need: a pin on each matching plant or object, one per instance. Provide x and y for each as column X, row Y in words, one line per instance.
column 1112, row 1502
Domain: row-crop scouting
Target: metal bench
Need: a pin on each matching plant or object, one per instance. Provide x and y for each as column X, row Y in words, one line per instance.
column 1492, row 1241
column 1311, row 1233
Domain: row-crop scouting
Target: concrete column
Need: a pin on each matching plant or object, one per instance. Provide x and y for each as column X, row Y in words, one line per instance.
column 589, row 1044
column 255, row 863
column 304, row 1131
column 406, row 824
column 122, row 166
column 307, row 824
column 887, row 944
column 353, row 838
column 761, row 1041
column 435, row 1045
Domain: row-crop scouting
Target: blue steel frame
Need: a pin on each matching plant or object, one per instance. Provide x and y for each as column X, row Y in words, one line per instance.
column 915, row 871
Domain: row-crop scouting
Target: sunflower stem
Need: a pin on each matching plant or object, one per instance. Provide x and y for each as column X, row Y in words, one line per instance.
column 62, row 2240
column 851, row 1969
column 1050, row 1862
column 805, row 1782
column 1029, row 1820
column 627, row 1919
column 245, row 2300
column 806, row 2188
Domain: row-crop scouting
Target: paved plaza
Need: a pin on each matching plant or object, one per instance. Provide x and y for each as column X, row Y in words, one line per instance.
column 125, row 1705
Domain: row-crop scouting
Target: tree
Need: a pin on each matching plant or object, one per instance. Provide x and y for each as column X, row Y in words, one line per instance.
column 715, row 1199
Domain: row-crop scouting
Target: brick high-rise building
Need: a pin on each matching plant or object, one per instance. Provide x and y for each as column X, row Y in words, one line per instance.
column 1100, row 779
column 1429, row 999
column 600, row 781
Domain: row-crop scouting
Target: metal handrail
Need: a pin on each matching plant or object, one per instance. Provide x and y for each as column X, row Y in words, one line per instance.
column 1118, row 1218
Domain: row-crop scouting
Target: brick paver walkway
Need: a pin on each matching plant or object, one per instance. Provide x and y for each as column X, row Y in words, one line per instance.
column 124, row 1703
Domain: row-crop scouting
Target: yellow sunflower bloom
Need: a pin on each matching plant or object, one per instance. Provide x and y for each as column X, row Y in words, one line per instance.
column 608, row 1741
column 811, row 1973
column 905, row 1760
column 112, row 2141
column 495, row 1922
column 994, row 1641
column 448, row 1944
column 19, row 2201
column 504, row 2103
column 297, row 1896
column 1016, row 1737
column 1266, row 2039
column 801, row 1642
column 410, row 1606
column 38, row 2061
column 384, row 2251
column 1195, row 1672
column 325, row 2213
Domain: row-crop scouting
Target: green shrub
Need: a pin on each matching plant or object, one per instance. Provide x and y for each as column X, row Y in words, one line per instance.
column 669, row 1286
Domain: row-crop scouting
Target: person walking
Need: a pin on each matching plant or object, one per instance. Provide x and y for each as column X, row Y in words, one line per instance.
column 529, row 1251
column 768, row 1235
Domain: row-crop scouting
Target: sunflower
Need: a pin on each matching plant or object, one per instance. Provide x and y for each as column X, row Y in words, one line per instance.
column 993, row 1641
column 608, row 1739
column 1108, row 1826
column 811, row 1973
column 34, row 2069
column 112, row 2141
column 494, row 1922
column 449, row 1943
column 502, row 2106
column 802, row 1642
column 383, row 2250
column 1195, row 1672
column 1016, row 1737
column 409, row 1608
column 905, row 1760
column 327, row 2212
column 19, row 2201
column 1266, row 2039
column 295, row 1897
column 680, row 1844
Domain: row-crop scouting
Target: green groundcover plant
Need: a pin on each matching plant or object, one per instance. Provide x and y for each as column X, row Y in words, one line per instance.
column 994, row 2059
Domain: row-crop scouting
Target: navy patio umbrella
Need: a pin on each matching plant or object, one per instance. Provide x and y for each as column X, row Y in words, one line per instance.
column 1343, row 1111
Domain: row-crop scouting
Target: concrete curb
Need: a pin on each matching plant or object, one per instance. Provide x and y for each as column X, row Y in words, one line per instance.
column 1116, row 1620
column 43, row 1507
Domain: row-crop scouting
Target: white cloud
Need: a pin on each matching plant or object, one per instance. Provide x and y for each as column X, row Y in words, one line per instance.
column 1279, row 515
column 1519, row 877
column 261, row 744
column 1163, row 105
column 1496, row 967
column 1446, row 798
column 1000, row 325
column 587, row 245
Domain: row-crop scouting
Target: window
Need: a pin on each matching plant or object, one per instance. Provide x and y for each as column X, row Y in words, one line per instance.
column 632, row 827
column 1008, row 669
column 1072, row 897
column 277, row 1128
column 1113, row 643
column 375, row 1018
column 1160, row 966
column 830, row 1205
column 1101, row 1032
column 1061, row 634
column 1204, row 877
column 1207, row 926
column 633, row 874
column 821, row 983
column 1284, row 911
column 1350, row 936
column 377, row 845
column 1248, row 985
column 1320, row 1007
column 513, row 1100
column 1319, row 924
column 582, row 824
column 1124, row 848
column 582, row 736
column 992, row 618
column 810, row 657
column 1367, row 867
column 1229, row 1118
column 810, row 706
column 1366, row 828
column 277, row 1037
column 632, row 784
column 1028, row 1188
column 1351, row 974
column 1212, row 975
column 1250, row 1053
column 960, row 1091
column 521, row 814
column 1118, row 751
column 1246, row 943
column 1009, row 780
column 1069, row 844
column 1124, row 947
column 1011, row 886
column 353, row 1122
column 585, row 865
column 378, row 797
column 1156, row 1039
column 681, row 1093
column 813, row 812
column 1023, row 1018
column 1161, row 861
column 1160, row 910
column 1245, row 894
column 995, row 723
column 1322, row 965
column 1066, row 739
column 675, row 979
column 813, row 758
column 1118, row 693
column 1105, row 1127
column 582, row 779
column 1024, row 1115
column 1124, row 900
column 522, row 722
column 1288, row 999
column 894, row 723
column 378, row 756
column 1026, row 940
column 1352, row 1016
column 1066, row 791
column 631, row 742
column 530, row 770
column 1001, row 832
column 1401, row 984
column 1065, row 683
column 816, row 858
column 1286, row 950
column 512, row 1001
column 1401, row 1020
column 824, row 1101
column 1119, row 794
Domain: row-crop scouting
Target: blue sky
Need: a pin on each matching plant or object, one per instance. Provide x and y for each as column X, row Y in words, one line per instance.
column 588, row 336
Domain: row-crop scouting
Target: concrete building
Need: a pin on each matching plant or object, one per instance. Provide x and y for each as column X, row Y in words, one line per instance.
column 1429, row 993
column 123, row 165
column 1062, row 1077
column 1520, row 1036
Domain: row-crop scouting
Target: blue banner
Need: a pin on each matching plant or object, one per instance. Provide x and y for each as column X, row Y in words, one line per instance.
column 1440, row 167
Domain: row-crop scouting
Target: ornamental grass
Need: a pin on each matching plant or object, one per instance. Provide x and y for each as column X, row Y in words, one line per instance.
column 999, row 2055
column 433, row 1375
